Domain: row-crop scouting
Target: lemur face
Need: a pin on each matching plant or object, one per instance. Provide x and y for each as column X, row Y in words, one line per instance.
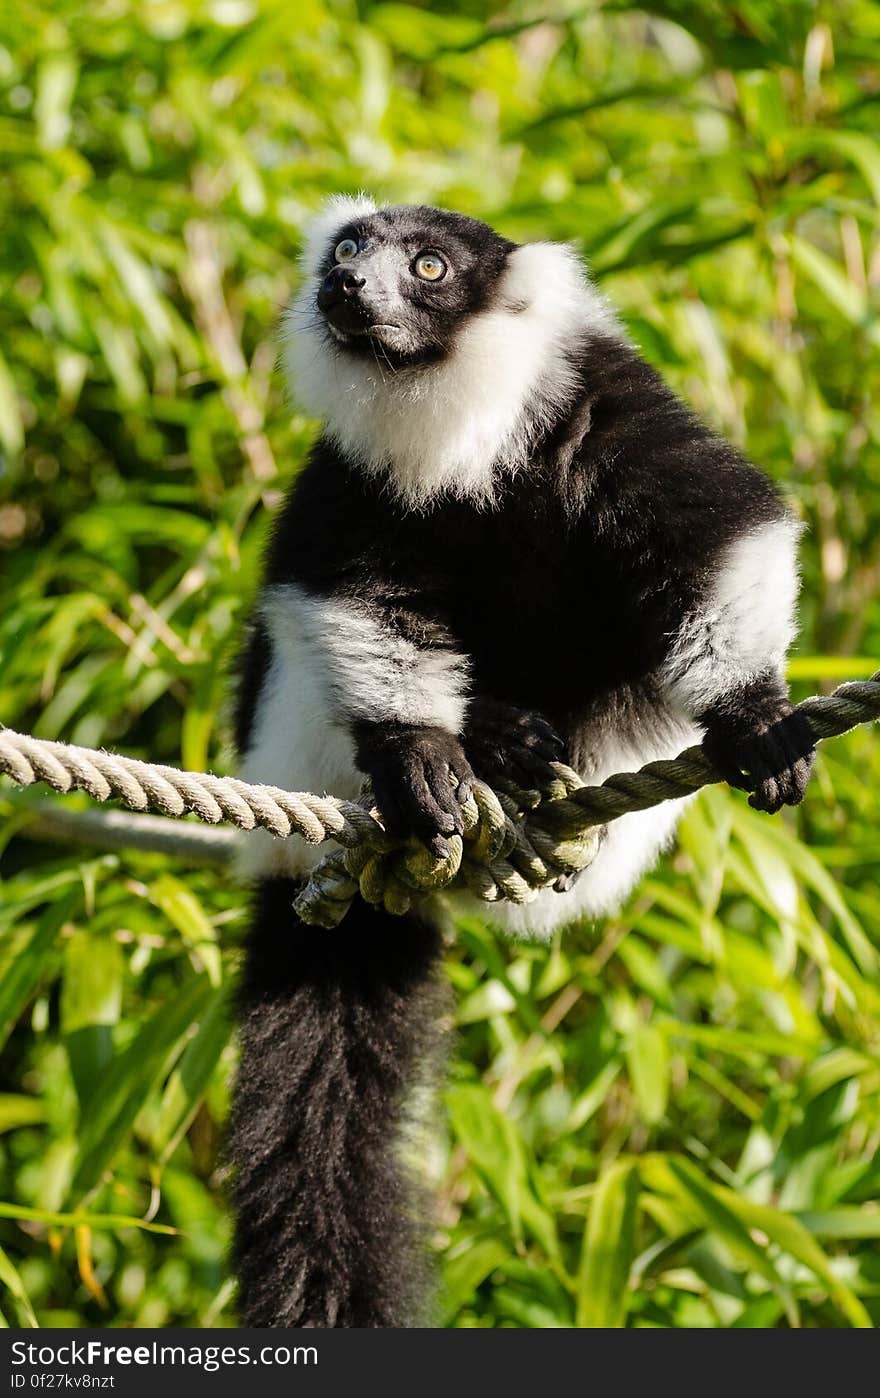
column 396, row 284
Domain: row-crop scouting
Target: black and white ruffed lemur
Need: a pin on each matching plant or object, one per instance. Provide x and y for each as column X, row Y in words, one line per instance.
column 510, row 543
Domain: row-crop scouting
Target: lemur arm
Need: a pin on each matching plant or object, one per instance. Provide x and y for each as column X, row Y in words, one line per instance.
column 725, row 666
column 366, row 616
column 405, row 688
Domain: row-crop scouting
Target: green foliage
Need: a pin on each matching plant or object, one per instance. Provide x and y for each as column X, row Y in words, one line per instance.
column 670, row 1120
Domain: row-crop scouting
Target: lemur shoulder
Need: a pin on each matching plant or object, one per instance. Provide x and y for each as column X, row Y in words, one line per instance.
column 511, row 543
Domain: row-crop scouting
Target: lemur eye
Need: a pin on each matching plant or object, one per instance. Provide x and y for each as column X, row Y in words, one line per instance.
column 429, row 266
column 345, row 250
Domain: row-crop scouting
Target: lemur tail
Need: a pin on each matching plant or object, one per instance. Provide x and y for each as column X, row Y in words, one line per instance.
column 336, row 1028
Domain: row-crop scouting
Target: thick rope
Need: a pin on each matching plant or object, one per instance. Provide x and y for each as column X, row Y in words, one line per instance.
column 515, row 843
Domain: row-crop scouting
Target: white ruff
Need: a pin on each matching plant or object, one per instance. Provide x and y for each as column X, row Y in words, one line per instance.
column 450, row 427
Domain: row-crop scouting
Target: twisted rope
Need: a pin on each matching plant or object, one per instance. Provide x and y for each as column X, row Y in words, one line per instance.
column 515, row 843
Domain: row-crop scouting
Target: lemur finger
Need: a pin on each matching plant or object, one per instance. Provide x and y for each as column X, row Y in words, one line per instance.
column 534, row 730
column 545, row 750
column 786, row 776
column 444, row 797
column 389, row 809
column 801, row 773
column 794, row 781
column 529, row 769
column 789, row 752
column 538, row 736
column 434, row 794
column 766, row 795
column 799, row 735
column 502, row 727
column 408, row 808
column 427, row 816
column 464, row 775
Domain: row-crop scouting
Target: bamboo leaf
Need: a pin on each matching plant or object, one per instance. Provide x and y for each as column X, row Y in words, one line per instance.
column 609, row 1249
column 12, row 1281
column 111, row 1114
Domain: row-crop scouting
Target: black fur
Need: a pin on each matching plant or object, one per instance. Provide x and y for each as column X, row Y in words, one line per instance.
column 336, row 1028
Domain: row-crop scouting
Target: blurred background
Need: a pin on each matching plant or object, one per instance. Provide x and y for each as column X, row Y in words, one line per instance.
column 668, row 1120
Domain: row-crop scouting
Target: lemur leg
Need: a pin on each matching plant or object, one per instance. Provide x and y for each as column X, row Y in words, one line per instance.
column 335, row 1029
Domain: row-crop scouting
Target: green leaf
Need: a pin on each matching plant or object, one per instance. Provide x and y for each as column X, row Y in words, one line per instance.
column 91, row 991
column 495, row 1148
column 184, row 910
column 17, row 1110
column 189, row 1080
column 111, row 1114
column 464, row 1272
column 713, row 1208
column 842, row 1223
column 647, row 1060
column 856, row 146
column 789, row 1233
column 24, row 964
column 55, row 88
column 91, row 999
column 739, row 1220
column 830, row 279
column 11, row 425
column 609, row 1249
column 80, row 1219
column 14, row 1285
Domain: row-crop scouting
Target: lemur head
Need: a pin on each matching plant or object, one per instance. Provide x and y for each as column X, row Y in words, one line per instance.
column 435, row 349
column 400, row 281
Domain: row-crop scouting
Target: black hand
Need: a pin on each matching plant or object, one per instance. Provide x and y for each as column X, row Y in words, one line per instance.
column 410, row 767
column 760, row 744
column 503, row 740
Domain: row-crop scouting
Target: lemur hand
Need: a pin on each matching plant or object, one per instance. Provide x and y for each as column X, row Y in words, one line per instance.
column 410, row 767
column 758, row 743
column 503, row 740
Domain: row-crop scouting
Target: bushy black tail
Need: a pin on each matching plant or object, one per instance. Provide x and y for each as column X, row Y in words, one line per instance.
column 335, row 1027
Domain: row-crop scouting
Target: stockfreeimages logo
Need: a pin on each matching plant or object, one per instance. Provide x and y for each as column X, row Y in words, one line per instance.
column 92, row 1354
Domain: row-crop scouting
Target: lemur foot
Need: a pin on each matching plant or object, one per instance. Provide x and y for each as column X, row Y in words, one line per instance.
column 765, row 748
column 412, row 768
column 503, row 740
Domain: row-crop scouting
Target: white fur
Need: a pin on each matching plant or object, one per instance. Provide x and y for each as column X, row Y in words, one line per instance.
column 367, row 671
column 746, row 622
column 451, row 427
column 331, row 663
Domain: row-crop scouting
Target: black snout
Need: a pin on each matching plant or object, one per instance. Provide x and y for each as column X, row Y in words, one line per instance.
column 339, row 286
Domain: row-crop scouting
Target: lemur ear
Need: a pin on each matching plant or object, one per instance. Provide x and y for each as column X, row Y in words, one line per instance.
column 333, row 214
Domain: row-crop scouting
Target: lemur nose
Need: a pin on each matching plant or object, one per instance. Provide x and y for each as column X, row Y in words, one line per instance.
column 351, row 282
column 340, row 282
